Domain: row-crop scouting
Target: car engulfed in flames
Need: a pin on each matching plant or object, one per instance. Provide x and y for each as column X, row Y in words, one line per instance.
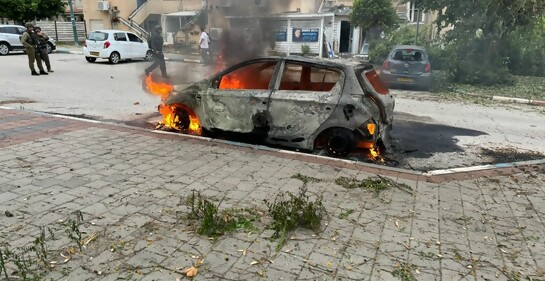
column 336, row 107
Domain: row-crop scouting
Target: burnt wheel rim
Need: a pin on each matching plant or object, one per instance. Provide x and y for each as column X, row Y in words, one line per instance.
column 338, row 145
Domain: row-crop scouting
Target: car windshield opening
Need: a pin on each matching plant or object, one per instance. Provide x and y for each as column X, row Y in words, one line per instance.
column 255, row 76
column 98, row 36
column 408, row 55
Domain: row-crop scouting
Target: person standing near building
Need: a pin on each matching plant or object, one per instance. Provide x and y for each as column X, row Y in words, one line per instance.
column 29, row 41
column 204, row 46
column 156, row 44
column 42, row 47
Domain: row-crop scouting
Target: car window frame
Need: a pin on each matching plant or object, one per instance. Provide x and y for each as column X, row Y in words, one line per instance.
column 216, row 80
column 7, row 30
column 280, row 74
column 136, row 36
column 425, row 57
column 117, row 39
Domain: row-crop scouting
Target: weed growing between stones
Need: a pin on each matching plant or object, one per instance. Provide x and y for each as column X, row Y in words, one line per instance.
column 73, row 229
column 30, row 261
column 405, row 272
column 305, row 179
column 346, row 213
column 291, row 211
column 375, row 184
column 212, row 222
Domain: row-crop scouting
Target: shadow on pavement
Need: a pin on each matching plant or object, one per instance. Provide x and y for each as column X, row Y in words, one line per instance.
column 418, row 137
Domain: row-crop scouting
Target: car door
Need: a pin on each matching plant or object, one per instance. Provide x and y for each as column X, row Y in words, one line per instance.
column 138, row 47
column 305, row 98
column 122, row 45
column 238, row 98
column 13, row 36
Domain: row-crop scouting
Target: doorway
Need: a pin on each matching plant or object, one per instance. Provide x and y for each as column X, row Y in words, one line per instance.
column 344, row 42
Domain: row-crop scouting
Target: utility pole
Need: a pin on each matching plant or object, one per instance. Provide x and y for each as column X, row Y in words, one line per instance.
column 73, row 19
column 417, row 9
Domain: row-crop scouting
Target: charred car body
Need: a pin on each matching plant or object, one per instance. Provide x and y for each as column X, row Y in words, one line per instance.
column 296, row 102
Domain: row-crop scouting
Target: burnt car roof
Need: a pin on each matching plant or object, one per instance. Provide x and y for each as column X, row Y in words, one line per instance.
column 323, row 62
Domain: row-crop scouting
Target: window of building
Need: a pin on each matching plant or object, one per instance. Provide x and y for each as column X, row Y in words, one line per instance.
column 412, row 12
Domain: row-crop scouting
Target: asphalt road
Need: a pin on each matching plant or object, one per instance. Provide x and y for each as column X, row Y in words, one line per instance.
column 427, row 134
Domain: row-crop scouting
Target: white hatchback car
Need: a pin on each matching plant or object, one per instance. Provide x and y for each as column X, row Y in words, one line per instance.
column 115, row 45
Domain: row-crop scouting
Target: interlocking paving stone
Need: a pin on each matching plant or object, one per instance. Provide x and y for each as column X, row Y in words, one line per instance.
column 131, row 188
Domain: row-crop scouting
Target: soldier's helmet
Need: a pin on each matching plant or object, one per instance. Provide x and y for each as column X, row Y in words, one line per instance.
column 29, row 25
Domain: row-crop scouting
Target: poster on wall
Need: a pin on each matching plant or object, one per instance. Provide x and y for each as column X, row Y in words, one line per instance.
column 305, row 35
column 281, row 36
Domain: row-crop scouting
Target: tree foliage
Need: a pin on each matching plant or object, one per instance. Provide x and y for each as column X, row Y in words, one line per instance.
column 28, row 10
column 479, row 32
column 368, row 14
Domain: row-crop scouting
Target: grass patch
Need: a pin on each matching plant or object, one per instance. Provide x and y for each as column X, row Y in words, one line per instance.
column 212, row 222
column 346, row 213
column 290, row 211
column 526, row 87
column 405, row 272
column 375, row 184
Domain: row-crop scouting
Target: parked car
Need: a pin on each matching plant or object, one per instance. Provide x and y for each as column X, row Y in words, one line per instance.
column 115, row 46
column 407, row 65
column 364, row 53
column 296, row 102
column 10, row 39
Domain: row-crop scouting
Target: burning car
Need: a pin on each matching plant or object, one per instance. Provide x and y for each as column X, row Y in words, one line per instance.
column 296, row 102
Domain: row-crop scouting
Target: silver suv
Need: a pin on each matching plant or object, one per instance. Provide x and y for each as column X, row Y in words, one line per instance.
column 10, row 39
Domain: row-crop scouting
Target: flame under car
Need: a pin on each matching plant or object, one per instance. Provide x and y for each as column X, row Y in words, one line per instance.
column 296, row 102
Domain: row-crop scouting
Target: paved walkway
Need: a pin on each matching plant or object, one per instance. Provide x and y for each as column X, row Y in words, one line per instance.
column 131, row 187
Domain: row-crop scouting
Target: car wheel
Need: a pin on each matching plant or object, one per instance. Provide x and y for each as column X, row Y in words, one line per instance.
column 91, row 59
column 114, row 58
column 49, row 47
column 340, row 142
column 4, row 49
column 149, row 56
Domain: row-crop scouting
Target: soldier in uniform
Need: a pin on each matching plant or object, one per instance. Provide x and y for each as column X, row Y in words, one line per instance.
column 30, row 42
column 42, row 47
column 156, row 44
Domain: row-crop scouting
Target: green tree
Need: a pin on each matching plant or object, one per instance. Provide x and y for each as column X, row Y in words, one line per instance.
column 368, row 14
column 479, row 32
column 28, row 10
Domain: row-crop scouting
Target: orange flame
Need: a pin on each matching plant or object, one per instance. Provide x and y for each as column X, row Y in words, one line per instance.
column 158, row 89
column 374, row 151
column 173, row 114
column 172, row 118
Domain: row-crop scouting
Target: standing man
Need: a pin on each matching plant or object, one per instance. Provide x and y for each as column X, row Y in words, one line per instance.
column 29, row 41
column 42, row 47
column 156, row 44
column 204, row 46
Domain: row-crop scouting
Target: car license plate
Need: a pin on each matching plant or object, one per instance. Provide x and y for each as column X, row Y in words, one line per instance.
column 404, row 79
column 95, row 54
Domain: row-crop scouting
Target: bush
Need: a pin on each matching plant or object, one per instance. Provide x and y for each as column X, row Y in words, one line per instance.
column 524, row 52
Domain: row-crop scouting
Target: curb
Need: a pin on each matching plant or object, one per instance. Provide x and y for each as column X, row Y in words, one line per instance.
column 518, row 100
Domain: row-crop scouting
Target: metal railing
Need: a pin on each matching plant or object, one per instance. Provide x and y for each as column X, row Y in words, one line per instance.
column 196, row 16
column 137, row 10
column 134, row 26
